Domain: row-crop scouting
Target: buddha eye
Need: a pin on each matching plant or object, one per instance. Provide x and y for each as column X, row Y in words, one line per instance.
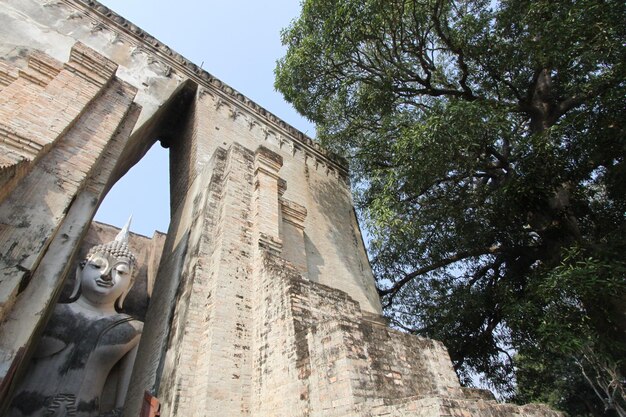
column 97, row 263
column 121, row 269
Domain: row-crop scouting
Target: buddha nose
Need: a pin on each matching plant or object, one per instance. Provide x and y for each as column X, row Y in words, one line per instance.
column 106, row 274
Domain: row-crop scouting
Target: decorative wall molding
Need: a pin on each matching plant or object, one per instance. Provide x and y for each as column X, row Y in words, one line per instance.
column 124, row 31
column 232, row 112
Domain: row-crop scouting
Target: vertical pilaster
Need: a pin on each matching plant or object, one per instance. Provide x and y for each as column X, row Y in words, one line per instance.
column 277, row 387
column 294, row 251
column 266, row 210
column 222, row 285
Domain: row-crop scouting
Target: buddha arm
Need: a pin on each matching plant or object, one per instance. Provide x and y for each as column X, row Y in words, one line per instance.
column 126, row 368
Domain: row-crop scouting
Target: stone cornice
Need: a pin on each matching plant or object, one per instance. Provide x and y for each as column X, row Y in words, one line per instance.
column 90, row 65
column 106, row 18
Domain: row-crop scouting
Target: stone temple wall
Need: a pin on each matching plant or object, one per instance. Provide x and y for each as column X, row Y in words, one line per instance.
column 263, row 302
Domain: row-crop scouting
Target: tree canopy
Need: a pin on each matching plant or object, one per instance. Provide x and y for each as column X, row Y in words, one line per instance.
column 487, row 143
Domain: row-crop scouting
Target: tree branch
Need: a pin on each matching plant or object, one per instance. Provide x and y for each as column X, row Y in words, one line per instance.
column 468, row 94
column 576, row 100
column 393, row 290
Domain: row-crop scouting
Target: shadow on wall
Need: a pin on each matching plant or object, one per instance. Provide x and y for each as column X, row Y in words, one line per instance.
column 313, row 259
column 349, row 262
column 336, row 206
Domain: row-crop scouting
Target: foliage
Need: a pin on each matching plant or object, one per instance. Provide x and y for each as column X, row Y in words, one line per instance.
column 487, row 141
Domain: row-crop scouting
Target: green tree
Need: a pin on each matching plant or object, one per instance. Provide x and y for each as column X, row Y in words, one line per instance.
column 487, row 143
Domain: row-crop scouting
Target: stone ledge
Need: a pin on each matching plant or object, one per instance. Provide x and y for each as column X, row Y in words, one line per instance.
column 90, row 65
column 293, row 213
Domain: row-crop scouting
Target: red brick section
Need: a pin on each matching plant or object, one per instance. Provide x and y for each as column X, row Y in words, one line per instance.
column 150, row 407
column 41, row 104
column 8, row 74
column 19, row 88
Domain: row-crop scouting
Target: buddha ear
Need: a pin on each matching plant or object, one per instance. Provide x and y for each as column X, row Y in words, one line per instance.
column 120, row 300
column 77, row 280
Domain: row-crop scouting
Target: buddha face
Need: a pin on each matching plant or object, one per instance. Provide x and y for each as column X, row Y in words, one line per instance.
column 105, row 278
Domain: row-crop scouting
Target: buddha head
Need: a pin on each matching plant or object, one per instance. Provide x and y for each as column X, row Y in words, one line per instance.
column 106, row 274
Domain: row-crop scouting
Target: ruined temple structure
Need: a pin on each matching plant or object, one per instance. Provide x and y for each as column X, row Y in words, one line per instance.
column 263, row 302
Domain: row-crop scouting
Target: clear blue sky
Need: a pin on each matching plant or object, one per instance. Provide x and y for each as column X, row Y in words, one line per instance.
column 238, row 41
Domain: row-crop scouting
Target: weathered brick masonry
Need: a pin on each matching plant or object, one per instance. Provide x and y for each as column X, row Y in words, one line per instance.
column 263, row 303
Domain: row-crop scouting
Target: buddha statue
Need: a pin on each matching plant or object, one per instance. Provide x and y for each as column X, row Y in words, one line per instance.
column 82, row 364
